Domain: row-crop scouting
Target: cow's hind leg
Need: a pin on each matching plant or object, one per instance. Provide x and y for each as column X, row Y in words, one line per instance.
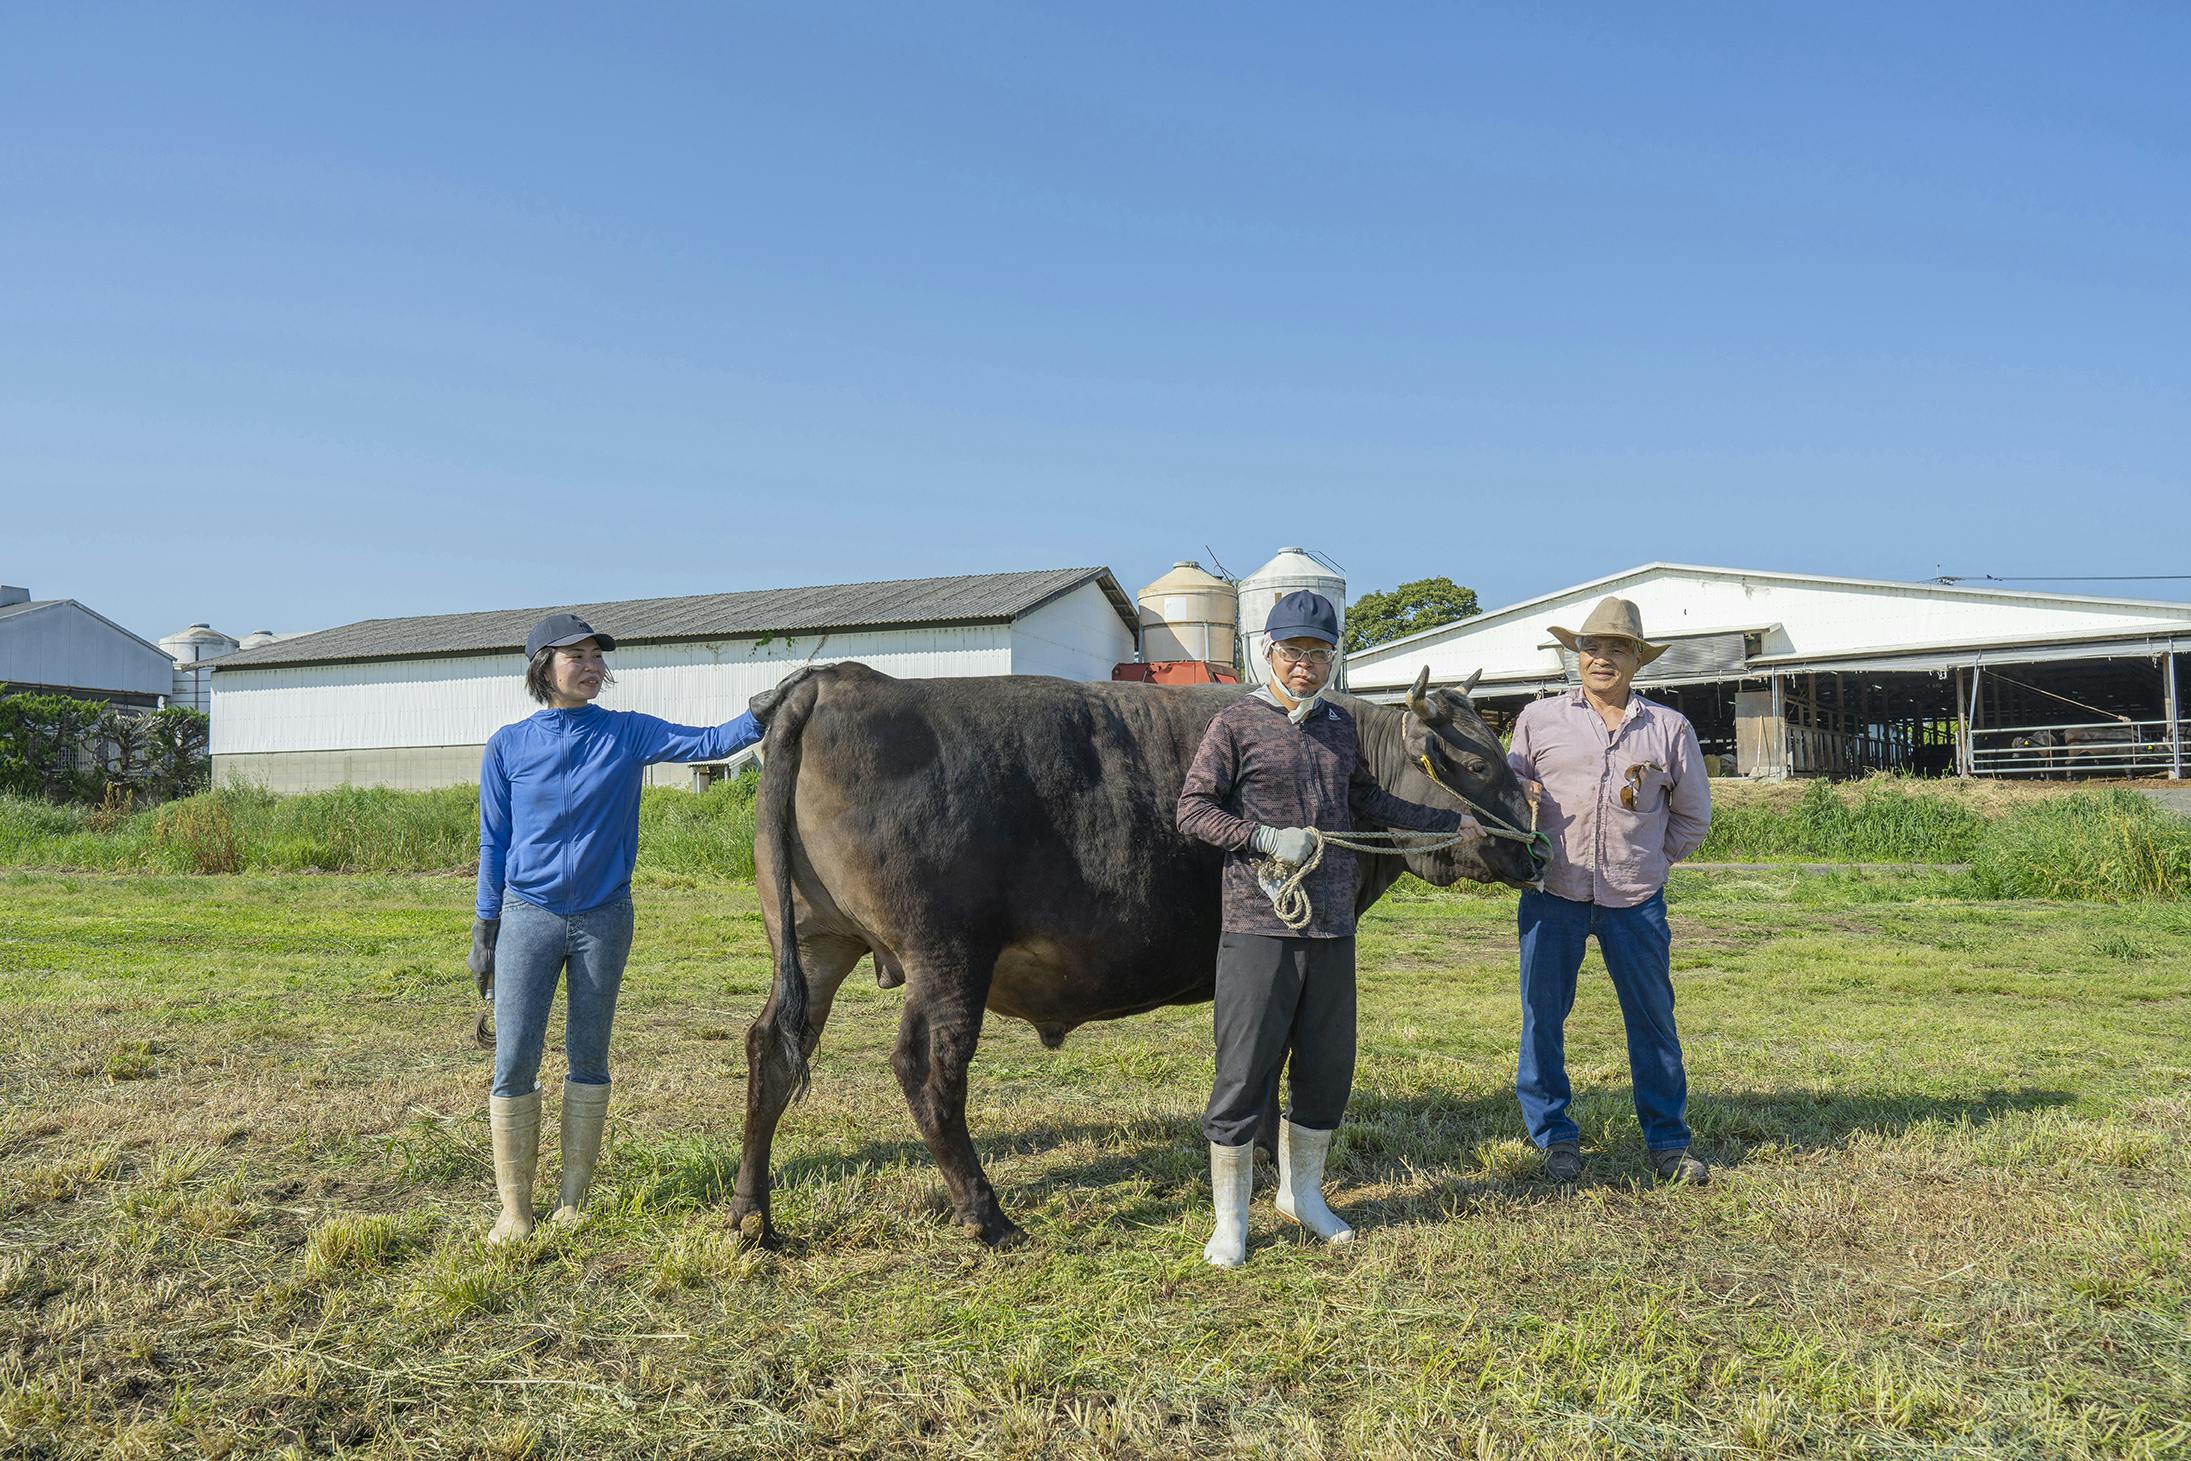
column 936, row 1040
column 769, row 1081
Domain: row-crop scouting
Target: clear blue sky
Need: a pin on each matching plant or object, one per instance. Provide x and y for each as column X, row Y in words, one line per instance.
column 311, row 313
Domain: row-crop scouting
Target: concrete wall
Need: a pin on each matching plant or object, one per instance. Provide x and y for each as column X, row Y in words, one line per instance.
column 405, row 768
column 64, row 643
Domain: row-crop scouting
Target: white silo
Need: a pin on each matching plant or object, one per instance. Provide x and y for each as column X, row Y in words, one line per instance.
column 191, row 650
column 1260, row 591
column 258, row 639
column 1189, row 614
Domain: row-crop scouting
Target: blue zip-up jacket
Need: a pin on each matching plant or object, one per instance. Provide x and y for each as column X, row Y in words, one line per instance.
column 559, row 801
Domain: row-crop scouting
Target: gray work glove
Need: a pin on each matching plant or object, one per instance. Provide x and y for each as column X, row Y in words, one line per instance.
column 1295, row 845
column 484, row 933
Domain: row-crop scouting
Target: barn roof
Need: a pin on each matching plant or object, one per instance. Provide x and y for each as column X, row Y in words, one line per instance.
column 906, row 603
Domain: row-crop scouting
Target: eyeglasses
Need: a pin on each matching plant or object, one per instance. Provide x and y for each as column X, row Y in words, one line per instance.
column 1634, row 779
column 1301, row 656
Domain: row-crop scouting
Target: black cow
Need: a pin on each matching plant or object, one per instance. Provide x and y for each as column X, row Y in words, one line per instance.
column 1008, row 844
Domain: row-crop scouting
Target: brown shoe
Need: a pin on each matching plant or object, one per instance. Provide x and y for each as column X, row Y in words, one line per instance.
column 1563, row 1162
column 1676, row 1165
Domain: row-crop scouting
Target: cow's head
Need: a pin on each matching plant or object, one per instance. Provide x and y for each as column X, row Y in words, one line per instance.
column 1467, row 771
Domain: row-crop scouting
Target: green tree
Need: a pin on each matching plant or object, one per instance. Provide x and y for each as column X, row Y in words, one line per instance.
column 1423, row 604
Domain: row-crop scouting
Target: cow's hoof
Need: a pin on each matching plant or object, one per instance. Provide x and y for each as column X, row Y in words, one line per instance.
column 753, row 1224
column 997, row 1231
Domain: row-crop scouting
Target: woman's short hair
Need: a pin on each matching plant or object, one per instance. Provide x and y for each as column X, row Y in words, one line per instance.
column 540, row 677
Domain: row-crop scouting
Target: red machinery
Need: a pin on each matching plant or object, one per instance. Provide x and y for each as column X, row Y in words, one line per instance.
column 1177, row 672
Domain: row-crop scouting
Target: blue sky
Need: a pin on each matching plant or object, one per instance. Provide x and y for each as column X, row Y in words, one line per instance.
column 312, row 313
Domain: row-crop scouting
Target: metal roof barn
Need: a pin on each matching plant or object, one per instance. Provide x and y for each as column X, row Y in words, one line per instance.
column 411, row 702
column 1806, row 674
column 60, row 647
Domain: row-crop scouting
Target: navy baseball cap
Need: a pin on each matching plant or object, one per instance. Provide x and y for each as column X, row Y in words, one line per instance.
column 1303, row 615
column 557, row 630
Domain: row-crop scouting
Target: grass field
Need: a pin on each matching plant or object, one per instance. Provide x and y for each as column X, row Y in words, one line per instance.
column 243, row 1174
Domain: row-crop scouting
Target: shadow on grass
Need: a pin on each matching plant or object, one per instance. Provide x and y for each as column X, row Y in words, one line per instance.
column 1417, row 1157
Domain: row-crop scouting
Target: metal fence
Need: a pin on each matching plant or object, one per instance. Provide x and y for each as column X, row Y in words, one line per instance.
column 2079, row 749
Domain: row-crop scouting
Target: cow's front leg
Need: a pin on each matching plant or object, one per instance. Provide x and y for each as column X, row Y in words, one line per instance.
column 936, row 1040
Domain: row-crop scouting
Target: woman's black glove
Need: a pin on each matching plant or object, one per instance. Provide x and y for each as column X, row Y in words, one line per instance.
column 484, row 932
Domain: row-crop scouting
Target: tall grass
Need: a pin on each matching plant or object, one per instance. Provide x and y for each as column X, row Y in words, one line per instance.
column 2110, row 844
column 350, row 830
column 1883, row 819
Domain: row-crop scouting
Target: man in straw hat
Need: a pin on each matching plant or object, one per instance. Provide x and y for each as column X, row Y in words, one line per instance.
column 1621, row 791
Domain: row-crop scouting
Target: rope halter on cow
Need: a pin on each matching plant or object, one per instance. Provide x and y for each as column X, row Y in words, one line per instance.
column 1285, row 882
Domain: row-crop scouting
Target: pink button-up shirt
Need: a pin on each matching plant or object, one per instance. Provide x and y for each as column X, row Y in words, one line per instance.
column 1602, row 851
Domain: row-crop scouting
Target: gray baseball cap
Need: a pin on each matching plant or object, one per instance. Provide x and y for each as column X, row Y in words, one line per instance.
column 557, row 630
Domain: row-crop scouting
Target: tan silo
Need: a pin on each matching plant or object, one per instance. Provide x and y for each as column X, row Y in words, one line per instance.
column 1189, row 614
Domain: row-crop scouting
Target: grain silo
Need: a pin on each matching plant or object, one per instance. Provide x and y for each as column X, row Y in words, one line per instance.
column 1189, row 628
column 192, row 650
column 1261, row 590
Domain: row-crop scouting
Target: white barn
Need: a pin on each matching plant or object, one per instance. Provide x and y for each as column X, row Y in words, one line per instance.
column 411, row 702
column 1792, row 672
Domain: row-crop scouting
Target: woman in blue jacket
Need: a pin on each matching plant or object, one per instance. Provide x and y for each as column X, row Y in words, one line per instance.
column 558, row 833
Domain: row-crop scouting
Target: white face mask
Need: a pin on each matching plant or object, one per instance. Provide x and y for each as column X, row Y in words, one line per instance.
column 1306, row 706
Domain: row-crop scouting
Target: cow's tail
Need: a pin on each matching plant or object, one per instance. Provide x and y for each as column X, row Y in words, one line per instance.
column 786, row 710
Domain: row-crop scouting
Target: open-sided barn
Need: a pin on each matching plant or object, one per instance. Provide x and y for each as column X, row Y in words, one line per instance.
column 411, row 702
column 1803, row 674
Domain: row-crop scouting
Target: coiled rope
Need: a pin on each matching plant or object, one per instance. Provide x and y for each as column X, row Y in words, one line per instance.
column 1290, row 899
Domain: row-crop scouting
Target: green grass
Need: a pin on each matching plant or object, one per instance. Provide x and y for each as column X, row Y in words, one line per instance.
column 243, row 1175
column 2019, row 842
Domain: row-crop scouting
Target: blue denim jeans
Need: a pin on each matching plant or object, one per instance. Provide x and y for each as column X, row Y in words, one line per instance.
column 533, row 950
column 1637, row 949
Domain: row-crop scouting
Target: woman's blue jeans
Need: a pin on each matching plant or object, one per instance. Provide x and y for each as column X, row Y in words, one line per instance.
column 1638, row 954
column 531, row 953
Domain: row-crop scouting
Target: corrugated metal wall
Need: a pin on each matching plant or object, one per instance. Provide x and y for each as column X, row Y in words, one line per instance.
column 63, row 644
column 463, row 701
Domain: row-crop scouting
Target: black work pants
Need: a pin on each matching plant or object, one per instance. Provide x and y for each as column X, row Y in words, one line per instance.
column 1281, row 997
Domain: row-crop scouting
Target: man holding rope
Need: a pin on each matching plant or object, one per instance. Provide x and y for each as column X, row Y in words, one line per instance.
column 1273, row 773
column 1620, row 786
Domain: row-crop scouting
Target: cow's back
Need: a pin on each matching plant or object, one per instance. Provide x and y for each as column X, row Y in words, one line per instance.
column 1016, row 819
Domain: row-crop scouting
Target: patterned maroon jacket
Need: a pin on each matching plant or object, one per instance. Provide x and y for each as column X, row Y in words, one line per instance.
column 1256, row 768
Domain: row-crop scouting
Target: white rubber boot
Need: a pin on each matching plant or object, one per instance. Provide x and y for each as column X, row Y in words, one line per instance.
column 584, row 1109
column 1232, row 1179
column 514, row 1124
column 1301, row 1182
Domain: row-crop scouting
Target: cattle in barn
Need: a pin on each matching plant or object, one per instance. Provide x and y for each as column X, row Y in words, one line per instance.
column 1008, row 845
column 2078, row 750
column 2036, row 753
column 1931, row 760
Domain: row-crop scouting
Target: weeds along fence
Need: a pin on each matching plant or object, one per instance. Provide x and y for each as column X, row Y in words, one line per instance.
column 2083, row 844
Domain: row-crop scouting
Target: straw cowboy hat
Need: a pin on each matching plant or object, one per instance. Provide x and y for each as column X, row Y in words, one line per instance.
column 1613, row 618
